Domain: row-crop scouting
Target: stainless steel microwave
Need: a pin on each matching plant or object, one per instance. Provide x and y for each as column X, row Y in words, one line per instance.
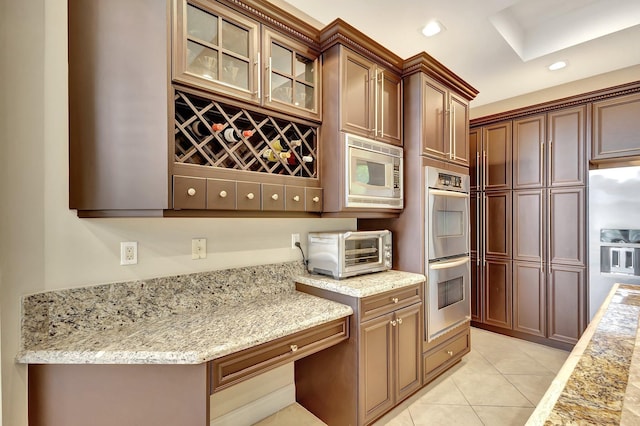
column 349, row 253
column 374, row 173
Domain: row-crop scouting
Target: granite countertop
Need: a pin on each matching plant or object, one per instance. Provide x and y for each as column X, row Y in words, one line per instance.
column 187, row 319
column 363, row 285
column 600, row 381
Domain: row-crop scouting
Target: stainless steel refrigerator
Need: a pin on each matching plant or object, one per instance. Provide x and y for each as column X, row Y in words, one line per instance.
column 614, row 231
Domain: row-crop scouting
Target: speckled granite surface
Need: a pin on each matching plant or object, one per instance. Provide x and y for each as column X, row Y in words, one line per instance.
column 184, row 319
column 363, row 285
column 598, row 384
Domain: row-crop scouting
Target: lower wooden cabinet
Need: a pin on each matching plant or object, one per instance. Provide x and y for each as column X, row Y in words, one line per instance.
column 497, row 293
column 438, row 359
column 529, row 298
column 566, row 307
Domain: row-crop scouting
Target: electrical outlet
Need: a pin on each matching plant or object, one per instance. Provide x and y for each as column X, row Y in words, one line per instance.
column 199, row 248
column 295, row 238
column 129, row 253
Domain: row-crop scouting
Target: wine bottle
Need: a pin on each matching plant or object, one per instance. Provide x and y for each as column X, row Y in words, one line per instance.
column 199, row 128
column 307, row 159
column 269, row 155
column 230, row 135
column 276, row 145
column 216, row 127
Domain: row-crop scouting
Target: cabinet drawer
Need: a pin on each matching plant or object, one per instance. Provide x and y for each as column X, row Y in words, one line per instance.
column 294, row 201
column 248, row 196
column 313, row 199
column 239, row 366
column 221, row 194
column 272, row 197
column 443, row 356
column 189, row 193
column 374, row 306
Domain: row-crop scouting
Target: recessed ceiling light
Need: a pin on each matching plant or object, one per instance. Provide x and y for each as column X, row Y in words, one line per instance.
column 432, row 28
column 557, row 65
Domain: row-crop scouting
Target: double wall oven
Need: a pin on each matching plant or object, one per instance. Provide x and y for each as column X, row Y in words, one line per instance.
column 448, row 260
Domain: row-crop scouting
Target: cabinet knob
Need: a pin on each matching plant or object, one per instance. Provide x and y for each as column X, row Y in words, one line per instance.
column 399, row 320
column 294, row 348
column 450, row 353
column 316, row 199
column 394, row 299
column 274, row 197
column 223, row 194
column 250, row 196
column 393, row 323
column 296, row 198
column 191, row 192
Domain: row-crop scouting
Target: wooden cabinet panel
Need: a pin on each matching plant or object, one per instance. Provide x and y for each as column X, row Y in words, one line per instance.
column 476, row 290
column 529, row 229
column 313, row 199
column 408, row 350
column 497, row 218
column 475, row 158
column 221, row 194
column 248, row 196
column 294, row 200
column 566, row 147
column 376, row 338
column 459, row 129
column 389, row 120
column 357, row 104
column 475, row 228
column 446, row 354
column 189, row 193
column 528, row 152
column 498, row 302
column 567, row 229
column 616, row 128
column 496, row 142
column 389, row 301
column 272, row 197
column 566, row 303
column 529, row 298
column 434, row 119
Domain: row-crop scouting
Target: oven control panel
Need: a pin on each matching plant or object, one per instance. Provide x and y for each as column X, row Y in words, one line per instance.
column 450, row 181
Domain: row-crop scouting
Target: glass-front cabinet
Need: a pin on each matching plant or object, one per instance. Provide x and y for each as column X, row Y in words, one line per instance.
column 219, row 50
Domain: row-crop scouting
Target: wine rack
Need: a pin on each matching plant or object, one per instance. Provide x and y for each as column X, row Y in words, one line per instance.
column 214, row 134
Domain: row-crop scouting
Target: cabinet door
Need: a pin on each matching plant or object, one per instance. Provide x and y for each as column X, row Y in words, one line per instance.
column 291, row 76
column 496, row 141
column 389, row 110
column 529, row 298
column 221, row 194
column 566, row 147
column 566, row 303
column 475, row 228
column 566, row 218
column 408, row 350
column 458, row 130
column 434, row 119
column 216, row 49
column 616, row 128
column 475, row 157
column 272, row 197
column 528, row 152
column 357, row 103
column 376, row 363
column 528, row 225
column 497, row 224
column 497, row 296
column 189, row 193
column 476, row 290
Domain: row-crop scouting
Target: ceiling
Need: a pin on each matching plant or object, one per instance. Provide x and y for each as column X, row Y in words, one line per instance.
column 500, row 47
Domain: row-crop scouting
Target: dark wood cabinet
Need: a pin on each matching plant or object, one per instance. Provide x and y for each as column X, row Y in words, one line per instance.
column 496, row 156
column 376, row 338
column 406, row 347
column 475, row 158
column 528, row 152
column 497, row 226
column 567, row 227
column 529, row 298
column 566, row 303
column 477, row 296
column 616, row 128
column 529, row 225
column 566, row 151
column 497, row 293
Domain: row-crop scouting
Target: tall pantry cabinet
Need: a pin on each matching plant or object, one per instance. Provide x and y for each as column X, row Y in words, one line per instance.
column 529, row 224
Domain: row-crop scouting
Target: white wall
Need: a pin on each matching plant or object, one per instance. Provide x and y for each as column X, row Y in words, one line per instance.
column 43, row 245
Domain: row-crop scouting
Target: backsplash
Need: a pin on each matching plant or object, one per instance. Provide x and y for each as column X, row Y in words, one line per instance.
column 56, row 314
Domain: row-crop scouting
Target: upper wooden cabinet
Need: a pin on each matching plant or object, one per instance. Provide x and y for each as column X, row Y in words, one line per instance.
column 219, row 50
column 566, row 151
column 616, row 128
column 490, row 150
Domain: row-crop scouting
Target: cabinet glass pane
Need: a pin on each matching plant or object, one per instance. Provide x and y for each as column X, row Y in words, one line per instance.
column 235, row 39
column 202, row 25
column 282, row 88
column 281, row 59
column 304, row 96
column 202, row 61
column 235, row 71
column 304, row 69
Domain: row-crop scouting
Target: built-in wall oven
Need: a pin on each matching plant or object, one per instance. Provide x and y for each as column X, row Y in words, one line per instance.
column 448, row 291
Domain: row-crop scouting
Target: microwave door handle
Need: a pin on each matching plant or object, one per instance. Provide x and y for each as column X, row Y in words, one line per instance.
column 450, row 264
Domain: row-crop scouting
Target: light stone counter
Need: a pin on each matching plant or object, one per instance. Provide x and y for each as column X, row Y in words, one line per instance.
column 363, row 285
column 600, row 381
column 188, row 319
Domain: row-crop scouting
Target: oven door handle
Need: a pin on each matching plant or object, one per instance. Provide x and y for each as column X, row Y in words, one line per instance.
column 450, row 264
column 448, row 193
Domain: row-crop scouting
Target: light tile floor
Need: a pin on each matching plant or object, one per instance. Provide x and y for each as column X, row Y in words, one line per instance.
column 498, row 383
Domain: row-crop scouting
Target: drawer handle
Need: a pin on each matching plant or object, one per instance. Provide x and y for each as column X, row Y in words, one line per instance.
column 399, row 320
column 223, row 194
column 296, row 198
column 250, row 196
column 191, row 192
column 393, row 323
column 394, row 299
column 316, row 199
column 450, row 353
column 274, row 197
column 294, row 348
